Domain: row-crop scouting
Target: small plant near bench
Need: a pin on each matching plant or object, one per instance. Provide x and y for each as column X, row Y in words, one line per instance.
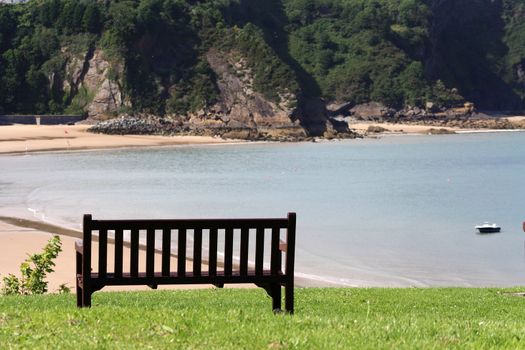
column 34, row 271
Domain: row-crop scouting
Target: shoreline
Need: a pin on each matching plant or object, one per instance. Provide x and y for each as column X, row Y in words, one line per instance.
column 36, row 139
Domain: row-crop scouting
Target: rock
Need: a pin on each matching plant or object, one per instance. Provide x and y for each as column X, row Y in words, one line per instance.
column 374, row 129
column 372, row 111
column 441, row 131
column 108, row 99
column 339, row 109
column 137, row 125
column 107, row 94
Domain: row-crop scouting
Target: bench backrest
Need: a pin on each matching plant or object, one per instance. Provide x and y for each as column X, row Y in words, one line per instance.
column 206, row 235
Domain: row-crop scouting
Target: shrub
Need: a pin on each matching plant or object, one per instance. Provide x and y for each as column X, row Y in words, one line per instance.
column 34, row 271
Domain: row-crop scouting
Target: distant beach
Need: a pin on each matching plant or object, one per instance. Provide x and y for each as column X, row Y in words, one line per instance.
column 20, row 139
column 364, row 127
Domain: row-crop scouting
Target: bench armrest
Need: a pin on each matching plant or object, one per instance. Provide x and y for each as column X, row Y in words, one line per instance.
column 79, row 247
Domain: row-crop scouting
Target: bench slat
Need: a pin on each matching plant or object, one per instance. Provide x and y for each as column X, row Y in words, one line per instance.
column 276, row 253
column 166, row 251
column 259, row 251
column 245, row 241
column 197, row 252
column 150, row 252
column 188, row 224
column 188, row 274
column 102, row 252
column 181, row 257
column 119, row 246
column 228, row 251
column 134, row 253
column 212, row 267
column 189, row 278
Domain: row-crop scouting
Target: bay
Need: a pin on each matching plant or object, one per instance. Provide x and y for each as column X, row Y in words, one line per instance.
column 396, row 211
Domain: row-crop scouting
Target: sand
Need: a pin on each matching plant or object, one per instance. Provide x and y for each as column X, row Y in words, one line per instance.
column 398, row 128
column 38, row 138
column 18, row 242
column 21, row 139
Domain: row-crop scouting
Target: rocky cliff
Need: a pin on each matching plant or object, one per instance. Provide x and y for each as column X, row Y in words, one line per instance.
column 239, row 112
column 242, row 112
column 89, row 85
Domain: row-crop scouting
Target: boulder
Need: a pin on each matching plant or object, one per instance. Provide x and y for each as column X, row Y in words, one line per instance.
column 372, row 111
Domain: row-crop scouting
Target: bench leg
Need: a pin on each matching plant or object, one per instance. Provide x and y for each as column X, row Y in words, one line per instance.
column 79, row 296
column 276, row 296
column 79, row 271
column 86, row 297
column 288, row 296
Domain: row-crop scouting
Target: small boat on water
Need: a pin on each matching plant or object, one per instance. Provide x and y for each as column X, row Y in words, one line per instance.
column 488, row 228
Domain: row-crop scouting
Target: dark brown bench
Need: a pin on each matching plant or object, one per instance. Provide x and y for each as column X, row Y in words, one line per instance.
column 268, row 252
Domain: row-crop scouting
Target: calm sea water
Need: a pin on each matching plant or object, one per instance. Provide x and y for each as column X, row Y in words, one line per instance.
column 399, row 211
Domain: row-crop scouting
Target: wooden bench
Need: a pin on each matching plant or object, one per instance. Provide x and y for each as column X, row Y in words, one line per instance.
column 211, row 234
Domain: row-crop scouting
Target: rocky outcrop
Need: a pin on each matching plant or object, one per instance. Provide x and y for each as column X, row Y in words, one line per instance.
column 372, row 111
column 241, row 112
column 89, row 76
column 144, row 124
column 107, row 93
column 137, row 125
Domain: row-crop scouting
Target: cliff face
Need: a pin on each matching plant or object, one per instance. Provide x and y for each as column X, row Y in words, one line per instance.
column 107, row 93
column 89, row 85
column 240, row 110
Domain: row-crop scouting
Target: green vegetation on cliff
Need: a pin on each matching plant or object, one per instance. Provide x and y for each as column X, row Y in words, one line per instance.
column 399, row 52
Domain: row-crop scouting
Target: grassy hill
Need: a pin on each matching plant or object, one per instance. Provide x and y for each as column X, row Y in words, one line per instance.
column 242, row 319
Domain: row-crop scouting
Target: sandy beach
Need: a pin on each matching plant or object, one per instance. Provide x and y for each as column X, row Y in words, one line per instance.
column 400, row 128
column 20, row 237
column 37, row 138
column 362, row 128
column 21, row 139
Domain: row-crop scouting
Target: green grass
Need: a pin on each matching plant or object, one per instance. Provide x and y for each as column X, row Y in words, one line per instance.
column 233, row 319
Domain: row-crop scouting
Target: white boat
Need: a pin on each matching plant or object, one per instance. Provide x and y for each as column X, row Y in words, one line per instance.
column 488, row 228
